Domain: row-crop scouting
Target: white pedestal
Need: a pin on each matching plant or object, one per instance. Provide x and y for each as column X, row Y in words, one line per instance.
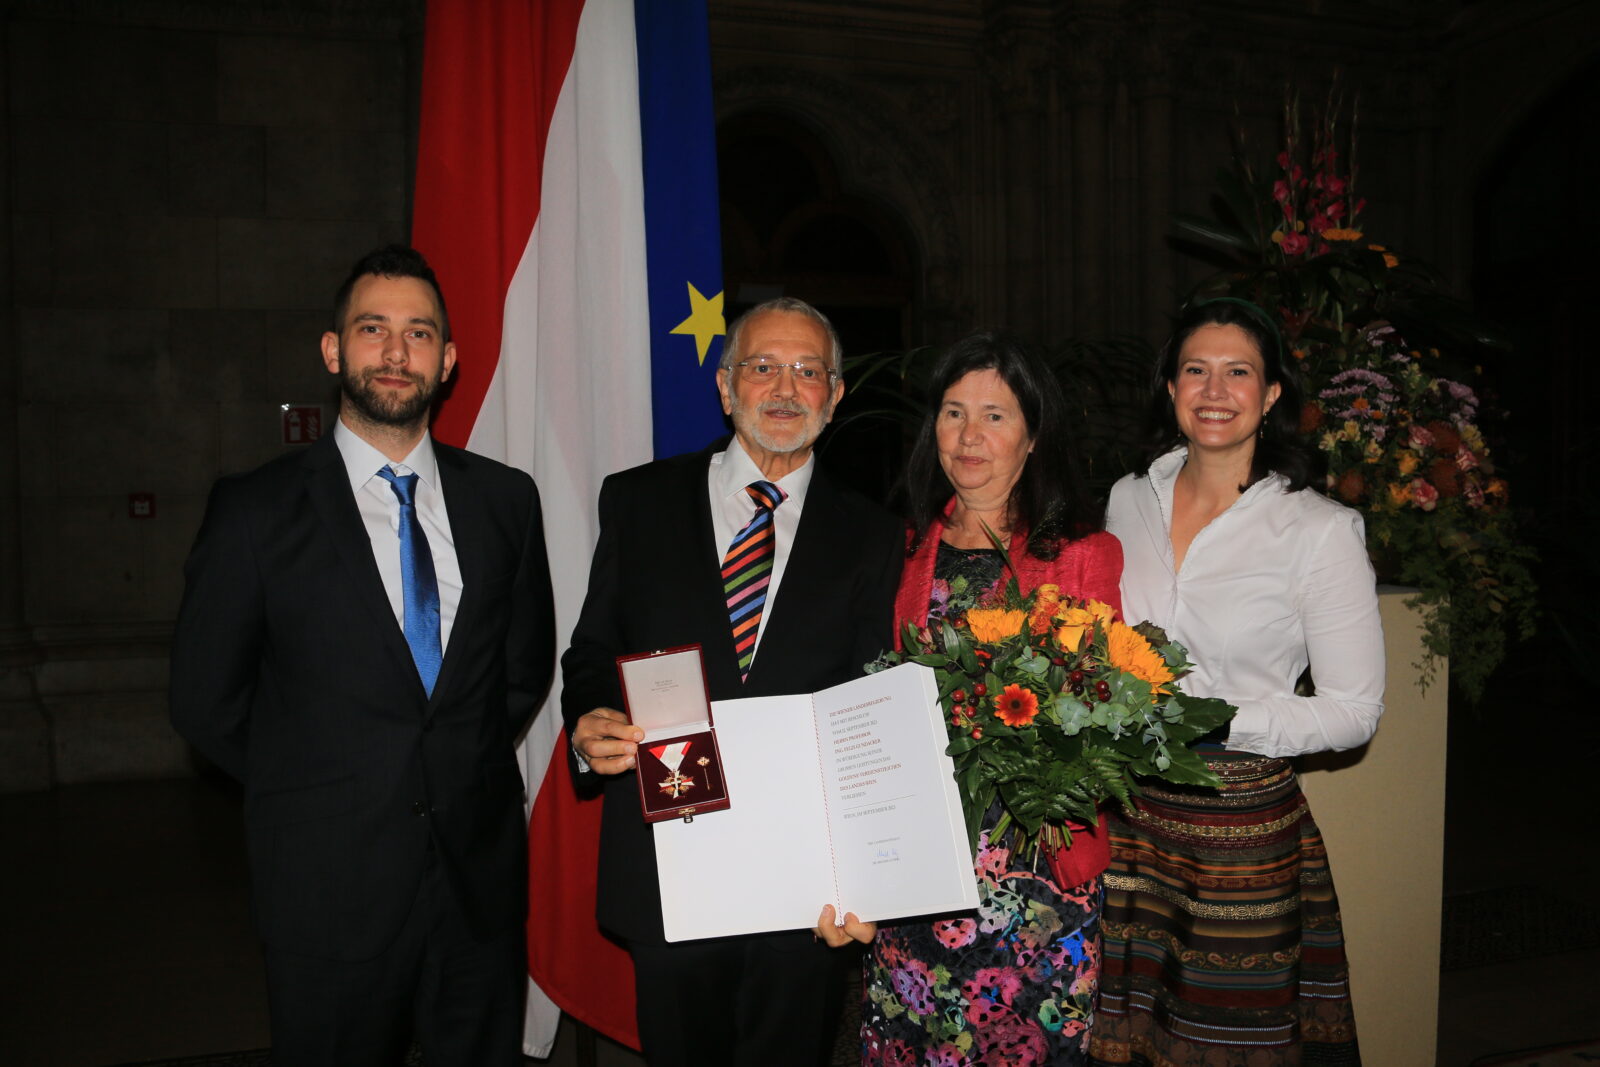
column 1381, row 811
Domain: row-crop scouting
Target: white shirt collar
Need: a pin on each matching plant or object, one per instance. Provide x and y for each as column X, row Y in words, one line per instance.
column 734, row 469
column 1164, row 471
column 362, row 461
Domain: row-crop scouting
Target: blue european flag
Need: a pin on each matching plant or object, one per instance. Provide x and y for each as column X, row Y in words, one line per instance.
column 682, row 233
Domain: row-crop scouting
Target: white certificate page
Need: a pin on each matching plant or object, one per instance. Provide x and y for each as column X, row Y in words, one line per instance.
column 899, row 839
column 844, row 798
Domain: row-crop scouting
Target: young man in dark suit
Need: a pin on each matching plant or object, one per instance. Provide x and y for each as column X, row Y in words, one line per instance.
column 367, row 627
column 667, row 571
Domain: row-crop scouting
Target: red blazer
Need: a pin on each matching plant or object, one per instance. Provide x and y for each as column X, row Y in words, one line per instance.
column 1090, row 568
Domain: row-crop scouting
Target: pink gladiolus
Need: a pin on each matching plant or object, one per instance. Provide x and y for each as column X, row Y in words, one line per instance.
column 1294, row 244
column 1283, row 160
column 1280, row 190
column 1318, row 222
column 1335, row 184
column 1335, row 209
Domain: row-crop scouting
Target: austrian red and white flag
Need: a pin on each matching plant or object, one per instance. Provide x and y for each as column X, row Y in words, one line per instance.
column 530, row 205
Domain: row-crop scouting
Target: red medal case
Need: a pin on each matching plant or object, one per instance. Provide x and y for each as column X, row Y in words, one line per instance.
column 679, row 766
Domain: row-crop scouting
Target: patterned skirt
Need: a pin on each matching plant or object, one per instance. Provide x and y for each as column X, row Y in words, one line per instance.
column 1010, row 985
column 1222, row 937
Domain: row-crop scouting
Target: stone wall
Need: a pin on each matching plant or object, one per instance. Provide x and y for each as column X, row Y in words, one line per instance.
column 188, row 184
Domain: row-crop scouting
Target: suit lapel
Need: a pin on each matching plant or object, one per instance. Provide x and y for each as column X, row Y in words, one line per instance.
column 468, row 525
column 329, row 489
column 810, row 557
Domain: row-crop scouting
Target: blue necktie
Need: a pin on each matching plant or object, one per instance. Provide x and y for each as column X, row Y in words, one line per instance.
column 418, row 584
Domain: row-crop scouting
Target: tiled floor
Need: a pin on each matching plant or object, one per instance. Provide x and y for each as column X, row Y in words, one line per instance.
column 126, row 931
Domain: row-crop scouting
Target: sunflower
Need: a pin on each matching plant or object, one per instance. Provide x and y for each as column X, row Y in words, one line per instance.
column 1016, row 706
column 1129, row 651
column 992, row 625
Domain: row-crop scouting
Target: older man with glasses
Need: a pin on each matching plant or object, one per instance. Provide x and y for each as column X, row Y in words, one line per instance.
column 787, row 581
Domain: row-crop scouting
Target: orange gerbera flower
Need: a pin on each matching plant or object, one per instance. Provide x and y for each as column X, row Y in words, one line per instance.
column 1017, row 706
column 991, row 625
column 1047, row 598
column 1129, row 651
column 1075, row 625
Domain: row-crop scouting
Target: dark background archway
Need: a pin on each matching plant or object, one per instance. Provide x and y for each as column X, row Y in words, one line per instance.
column 1536, row 275
column 791, row 228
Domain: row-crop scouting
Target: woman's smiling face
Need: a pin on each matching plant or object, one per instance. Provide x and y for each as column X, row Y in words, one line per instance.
column 1220, row 392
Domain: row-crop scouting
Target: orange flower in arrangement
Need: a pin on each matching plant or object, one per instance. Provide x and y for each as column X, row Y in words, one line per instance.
column 1442, row 473
column 1016, row 706
column 993, row 625
column 1351, row 486
column 1047, row 598
column 1100, row 611
column 1311, row 417
column 1129, row 651
column 1075, row 623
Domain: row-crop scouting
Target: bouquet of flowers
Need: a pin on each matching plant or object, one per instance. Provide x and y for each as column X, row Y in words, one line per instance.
column 1055, row 706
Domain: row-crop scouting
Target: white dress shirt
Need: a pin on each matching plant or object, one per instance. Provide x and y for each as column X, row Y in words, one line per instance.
column 732, row 508
column 1276, row 581
column 380, row 513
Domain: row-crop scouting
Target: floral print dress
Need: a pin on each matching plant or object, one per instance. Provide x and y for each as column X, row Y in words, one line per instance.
column 1010, row 985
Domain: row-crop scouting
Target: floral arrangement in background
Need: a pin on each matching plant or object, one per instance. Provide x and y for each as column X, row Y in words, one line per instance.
column 1389, row 361
column 1053, row 707
column 1320, row 207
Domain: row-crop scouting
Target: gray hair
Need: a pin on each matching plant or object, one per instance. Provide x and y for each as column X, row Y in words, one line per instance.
column 793, row 305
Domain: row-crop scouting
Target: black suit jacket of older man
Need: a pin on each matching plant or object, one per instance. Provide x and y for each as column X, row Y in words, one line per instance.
column 656, row 583
column 291, row 673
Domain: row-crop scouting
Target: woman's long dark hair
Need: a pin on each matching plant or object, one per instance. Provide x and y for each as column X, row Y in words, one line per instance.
column 1049, row 499
column 1280, row 448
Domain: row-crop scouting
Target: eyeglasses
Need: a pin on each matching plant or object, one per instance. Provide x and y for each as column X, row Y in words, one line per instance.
column 806, row 371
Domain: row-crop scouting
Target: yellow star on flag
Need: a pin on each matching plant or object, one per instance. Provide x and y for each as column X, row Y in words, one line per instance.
column 705, row 321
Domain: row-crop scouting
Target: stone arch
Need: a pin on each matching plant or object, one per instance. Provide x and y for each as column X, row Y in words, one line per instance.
column 879, row 160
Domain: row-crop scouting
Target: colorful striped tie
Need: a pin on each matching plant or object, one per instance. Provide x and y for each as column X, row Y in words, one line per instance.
column 746, row 571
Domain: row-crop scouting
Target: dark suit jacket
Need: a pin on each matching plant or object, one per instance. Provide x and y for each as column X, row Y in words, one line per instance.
column 291, row 673
column 656, row 583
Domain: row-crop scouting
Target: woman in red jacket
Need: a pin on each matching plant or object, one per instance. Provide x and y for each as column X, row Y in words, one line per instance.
column 1013, row 982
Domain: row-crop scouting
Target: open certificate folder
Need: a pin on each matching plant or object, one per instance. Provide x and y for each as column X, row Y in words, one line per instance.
column 842, row 797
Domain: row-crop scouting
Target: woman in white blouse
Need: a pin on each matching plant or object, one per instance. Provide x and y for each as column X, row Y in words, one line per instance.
column 1222, row 935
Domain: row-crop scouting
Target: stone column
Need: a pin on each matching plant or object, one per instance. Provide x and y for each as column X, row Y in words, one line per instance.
column 24, row 731
column 1161, row 38
column 1015, row 65
column 1088, row 60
